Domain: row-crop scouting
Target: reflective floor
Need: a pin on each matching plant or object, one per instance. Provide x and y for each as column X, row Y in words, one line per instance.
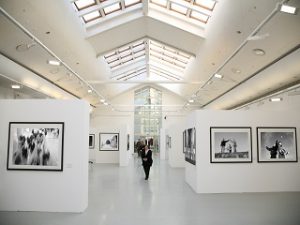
column 121, row 196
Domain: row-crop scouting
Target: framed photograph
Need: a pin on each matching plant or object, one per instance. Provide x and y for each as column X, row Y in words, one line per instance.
column 183, row 141
column 128, row 142
column 230, row 145
column 109, row 141
column 35, row 146
column 277, row 144
column 92, row 141
column 190, row 146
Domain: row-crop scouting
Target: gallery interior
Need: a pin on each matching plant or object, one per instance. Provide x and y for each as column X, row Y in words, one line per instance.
column 211, row 86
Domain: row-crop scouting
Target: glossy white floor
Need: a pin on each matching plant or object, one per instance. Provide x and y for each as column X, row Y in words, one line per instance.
column 121, row 196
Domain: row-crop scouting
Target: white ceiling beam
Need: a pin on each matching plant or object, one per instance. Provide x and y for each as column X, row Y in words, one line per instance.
column 144, row 82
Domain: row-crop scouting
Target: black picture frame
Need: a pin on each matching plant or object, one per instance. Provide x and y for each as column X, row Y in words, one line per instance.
column 108, row 141
column 230, row 144
column 190, row 145
column 183, row 141
column 276, row 144
column 91, row 141
column 128, row 142
column 35, row 146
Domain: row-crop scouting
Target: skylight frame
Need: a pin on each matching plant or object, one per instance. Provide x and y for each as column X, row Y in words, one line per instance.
column 86, row 6
column 102, row 6
column 170, row 61
column 137, row 2
column 192, row 6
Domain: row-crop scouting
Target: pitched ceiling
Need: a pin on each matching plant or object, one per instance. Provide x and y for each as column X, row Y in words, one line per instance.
column 229, row 44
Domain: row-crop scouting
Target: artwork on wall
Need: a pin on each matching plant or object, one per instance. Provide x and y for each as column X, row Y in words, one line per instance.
column 109, row 141
column 35, row 146
column 183, row 141
column 230, row 144
column 92, row 141
column 190, row 145
column 168, row 141
column 277, row 144
column 128, row 142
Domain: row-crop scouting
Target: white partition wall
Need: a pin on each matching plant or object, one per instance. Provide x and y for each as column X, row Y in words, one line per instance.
column 176, row 155
column 121, row 156
column 50, row 191
column 241, row 177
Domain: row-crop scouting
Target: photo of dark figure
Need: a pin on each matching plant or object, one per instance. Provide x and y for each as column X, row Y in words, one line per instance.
column 190, row 145
column 277, row 144
column 92, row 141
column 230, row 144
column 146, row 160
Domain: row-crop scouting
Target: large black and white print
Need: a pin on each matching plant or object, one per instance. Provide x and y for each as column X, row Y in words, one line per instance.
column 92, row 141
column 190, row 146
column 35, row 146
column 230, row 144
column 277, row 144
column 109, row 141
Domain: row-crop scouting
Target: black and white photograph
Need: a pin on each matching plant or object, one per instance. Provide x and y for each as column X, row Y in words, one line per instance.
column 183, row 140
column 190, row 146
column 128, row 142
column 168, row 142
column 109, row 141
column 230, row 144
column 277, row 144
column 35, row 146
column 92, row 141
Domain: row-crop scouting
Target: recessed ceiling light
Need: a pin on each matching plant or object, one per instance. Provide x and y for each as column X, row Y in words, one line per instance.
column 259, row 52
column 105, row 103
column 275, row 99
column 235, row 70
column 53, row 62
column 191, row 100
column 218, row 76
column 288, row 9
column 102, row 100
column 15, row 86
column 89, row 91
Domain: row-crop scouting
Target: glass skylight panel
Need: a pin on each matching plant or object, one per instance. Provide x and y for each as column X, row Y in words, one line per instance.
column 179, row 8
column 199, row 16
column 193, row 10
column 82, row 4
column 162, row 3
column 91, row 16
column 208, row 4
column 169, row 55
column 112, row 8
column 131, row 2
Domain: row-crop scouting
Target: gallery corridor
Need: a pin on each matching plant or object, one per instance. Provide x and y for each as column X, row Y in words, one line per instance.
column 121, row 196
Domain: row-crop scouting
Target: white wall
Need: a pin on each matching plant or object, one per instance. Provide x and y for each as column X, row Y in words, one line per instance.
column 190, row 169
column 104, row 120
column 242, row 177
column 176, row 155
column 65, row 191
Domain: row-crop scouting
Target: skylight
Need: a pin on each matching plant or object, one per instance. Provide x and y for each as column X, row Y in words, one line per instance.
column 194, row 10
column 91, row 10
column 126, row 55
column 152, row 57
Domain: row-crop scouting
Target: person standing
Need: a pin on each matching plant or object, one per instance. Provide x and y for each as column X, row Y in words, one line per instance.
column 147, row 160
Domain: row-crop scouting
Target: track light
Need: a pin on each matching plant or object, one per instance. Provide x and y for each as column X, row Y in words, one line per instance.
column 288, row 9
column 275, row 99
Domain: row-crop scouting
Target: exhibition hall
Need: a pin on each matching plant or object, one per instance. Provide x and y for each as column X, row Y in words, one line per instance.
column 116, row 112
